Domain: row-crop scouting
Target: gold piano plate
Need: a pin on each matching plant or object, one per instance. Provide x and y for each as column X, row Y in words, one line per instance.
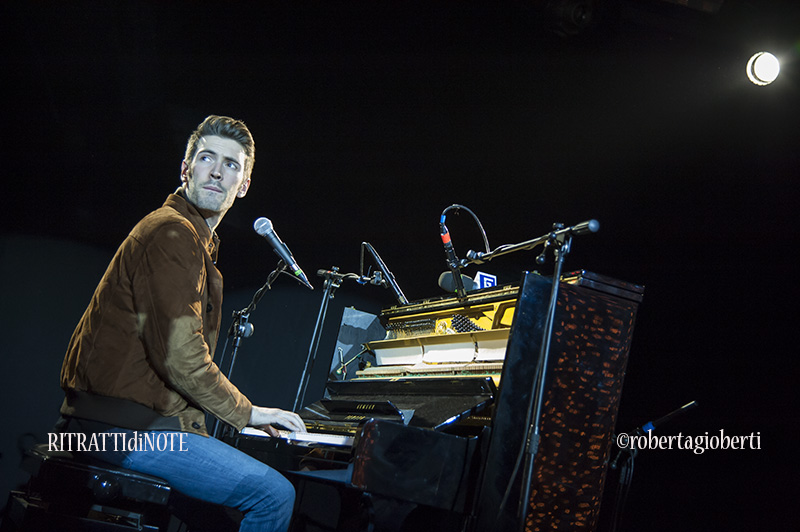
column 422, row 370
column 486, row 309
column 476, row 346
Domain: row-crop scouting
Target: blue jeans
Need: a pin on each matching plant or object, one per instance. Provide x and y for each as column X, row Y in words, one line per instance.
column 212, row 471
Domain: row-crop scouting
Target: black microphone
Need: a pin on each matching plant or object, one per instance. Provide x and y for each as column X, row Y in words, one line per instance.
column 264, row 228
column 651, row 425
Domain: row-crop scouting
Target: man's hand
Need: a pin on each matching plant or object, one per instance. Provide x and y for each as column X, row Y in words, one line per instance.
column 264, row 418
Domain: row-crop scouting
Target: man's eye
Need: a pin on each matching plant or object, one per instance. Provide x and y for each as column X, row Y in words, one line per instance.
column 233, row 166
column 205, row 158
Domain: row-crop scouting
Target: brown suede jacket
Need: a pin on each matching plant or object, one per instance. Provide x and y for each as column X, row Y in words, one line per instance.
column 141, row 356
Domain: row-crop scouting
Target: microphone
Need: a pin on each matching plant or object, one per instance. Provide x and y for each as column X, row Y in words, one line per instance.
column 264, row 228
column 452, row 259
column 651, row 425
column 387, row 281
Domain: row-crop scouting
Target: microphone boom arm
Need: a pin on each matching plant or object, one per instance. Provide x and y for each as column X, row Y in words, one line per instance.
column 560, row 235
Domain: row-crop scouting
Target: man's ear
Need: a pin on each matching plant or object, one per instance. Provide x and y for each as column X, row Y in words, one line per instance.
column 184, row 172
column 243, row 189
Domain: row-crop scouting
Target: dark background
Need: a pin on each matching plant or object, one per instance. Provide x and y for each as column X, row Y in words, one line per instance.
column 369, row 121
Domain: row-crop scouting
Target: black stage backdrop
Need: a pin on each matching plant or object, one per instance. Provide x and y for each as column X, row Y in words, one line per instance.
column 369, row 121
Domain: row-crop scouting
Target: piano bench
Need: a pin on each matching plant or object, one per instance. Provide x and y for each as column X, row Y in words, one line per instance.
column 66, row 493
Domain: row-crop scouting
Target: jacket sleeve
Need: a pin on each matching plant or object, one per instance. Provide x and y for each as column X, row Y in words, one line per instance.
column 169, row 286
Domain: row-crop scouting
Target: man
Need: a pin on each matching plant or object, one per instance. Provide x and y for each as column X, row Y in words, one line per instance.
column 140, row 359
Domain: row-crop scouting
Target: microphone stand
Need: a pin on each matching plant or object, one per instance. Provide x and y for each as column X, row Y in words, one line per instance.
column 561, row 240
column 626, row 471
column 242, row 328
column 333, row 280
column 562, row 243
column 560, row 232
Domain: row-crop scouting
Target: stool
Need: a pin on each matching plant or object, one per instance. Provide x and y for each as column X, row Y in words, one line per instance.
column 68, row 492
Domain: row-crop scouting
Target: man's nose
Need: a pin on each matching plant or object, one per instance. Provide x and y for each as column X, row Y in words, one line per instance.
column 216, row 171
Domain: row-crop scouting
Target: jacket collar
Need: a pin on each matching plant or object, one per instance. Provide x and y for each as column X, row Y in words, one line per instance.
column 210, row 239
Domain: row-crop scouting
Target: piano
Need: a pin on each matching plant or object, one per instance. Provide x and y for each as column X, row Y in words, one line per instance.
column 430, row 438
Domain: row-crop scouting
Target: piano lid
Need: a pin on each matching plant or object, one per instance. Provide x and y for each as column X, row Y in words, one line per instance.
column 603, row 283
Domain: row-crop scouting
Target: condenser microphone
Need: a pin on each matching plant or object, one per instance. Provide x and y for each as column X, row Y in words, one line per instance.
column 452, row 259
column 263, row 227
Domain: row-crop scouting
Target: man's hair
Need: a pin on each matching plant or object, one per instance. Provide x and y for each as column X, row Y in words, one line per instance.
column 230, row 128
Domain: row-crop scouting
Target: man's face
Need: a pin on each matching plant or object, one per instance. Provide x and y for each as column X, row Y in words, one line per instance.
column 214, row 178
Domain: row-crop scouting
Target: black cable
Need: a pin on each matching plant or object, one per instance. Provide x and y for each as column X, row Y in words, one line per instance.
column 623, row 488
column 458, row 207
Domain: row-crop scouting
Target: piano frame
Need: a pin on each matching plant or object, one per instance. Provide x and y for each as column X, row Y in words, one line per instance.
column 398, row 476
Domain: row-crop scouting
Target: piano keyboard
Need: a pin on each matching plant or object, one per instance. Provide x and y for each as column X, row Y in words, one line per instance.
column 304, row 437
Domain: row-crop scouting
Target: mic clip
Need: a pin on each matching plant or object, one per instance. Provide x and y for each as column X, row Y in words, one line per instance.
column 245, row 330
column 552, row 240
column 240, row 326
column 378, row 280
column 332, row 273
column 476, row 257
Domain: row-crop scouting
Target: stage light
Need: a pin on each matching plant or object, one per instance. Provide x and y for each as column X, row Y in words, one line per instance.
column 763, row 68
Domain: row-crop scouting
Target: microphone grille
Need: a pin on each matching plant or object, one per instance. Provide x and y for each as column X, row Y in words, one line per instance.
column 262, row 226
